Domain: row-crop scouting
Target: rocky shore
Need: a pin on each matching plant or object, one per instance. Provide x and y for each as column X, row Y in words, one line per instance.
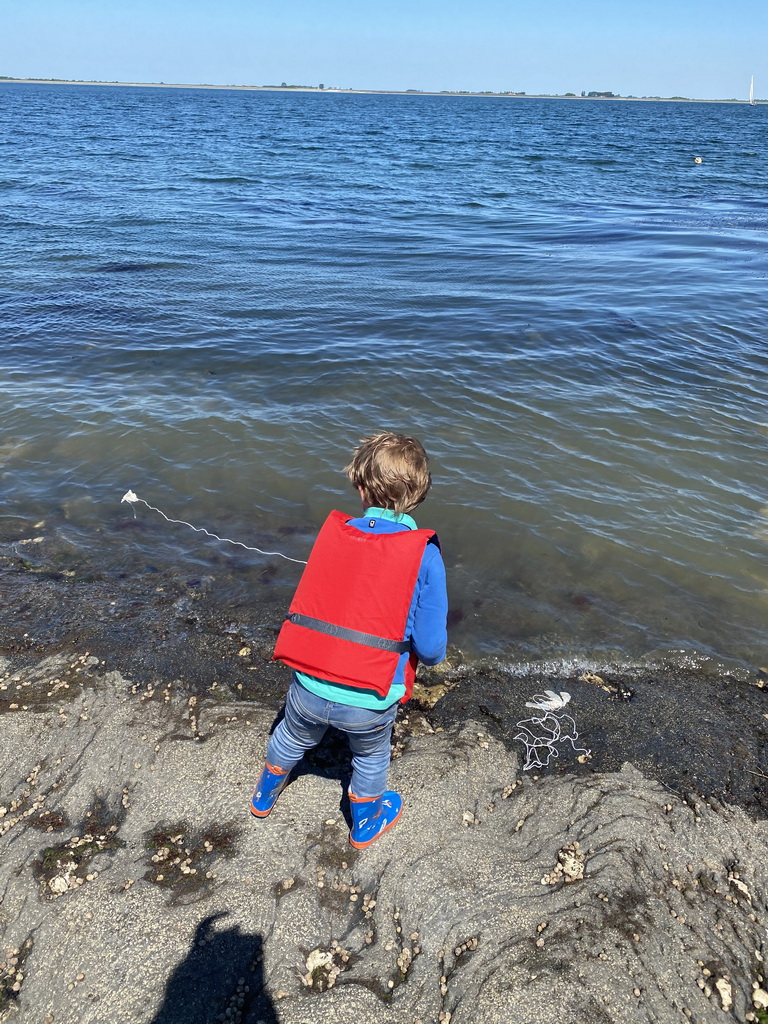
column 135, row 887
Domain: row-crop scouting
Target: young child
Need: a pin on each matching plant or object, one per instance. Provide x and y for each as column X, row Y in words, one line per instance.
column 370, row 605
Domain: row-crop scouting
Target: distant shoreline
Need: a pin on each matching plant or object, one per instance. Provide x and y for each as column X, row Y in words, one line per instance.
column 373, row 92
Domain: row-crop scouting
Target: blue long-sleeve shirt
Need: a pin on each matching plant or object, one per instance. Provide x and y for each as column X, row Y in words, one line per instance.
column 426, row 623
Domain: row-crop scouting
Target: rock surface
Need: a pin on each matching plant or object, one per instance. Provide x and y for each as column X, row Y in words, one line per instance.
column 135, row 887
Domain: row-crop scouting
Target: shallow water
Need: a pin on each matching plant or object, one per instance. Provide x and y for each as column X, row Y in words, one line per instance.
column 210, row 296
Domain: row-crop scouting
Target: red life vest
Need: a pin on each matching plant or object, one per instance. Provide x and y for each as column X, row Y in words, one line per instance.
column 348, row 617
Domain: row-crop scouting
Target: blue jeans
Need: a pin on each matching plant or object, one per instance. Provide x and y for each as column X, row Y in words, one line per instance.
column 369, row 732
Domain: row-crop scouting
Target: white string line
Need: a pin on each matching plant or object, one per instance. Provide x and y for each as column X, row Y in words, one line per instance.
column 541, row 740
column 132, row 498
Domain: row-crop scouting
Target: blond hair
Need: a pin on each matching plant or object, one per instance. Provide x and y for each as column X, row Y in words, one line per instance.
column 392, row 470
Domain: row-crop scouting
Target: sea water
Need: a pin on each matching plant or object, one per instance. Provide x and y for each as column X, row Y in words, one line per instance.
column 210, row 295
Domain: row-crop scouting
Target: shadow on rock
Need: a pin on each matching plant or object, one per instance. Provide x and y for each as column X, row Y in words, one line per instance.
column 222, row 972
column 330, row 759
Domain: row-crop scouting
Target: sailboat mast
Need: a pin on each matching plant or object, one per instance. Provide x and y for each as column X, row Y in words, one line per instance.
column 752, row 91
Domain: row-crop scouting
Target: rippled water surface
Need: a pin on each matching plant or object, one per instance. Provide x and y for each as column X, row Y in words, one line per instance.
column 209, row 296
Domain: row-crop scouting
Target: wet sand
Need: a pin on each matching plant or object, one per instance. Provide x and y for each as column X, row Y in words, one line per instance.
column 690, row 731
column 136, row 887
column 629, row 887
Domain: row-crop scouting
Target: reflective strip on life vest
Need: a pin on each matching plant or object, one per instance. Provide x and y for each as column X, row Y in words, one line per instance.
column 381, row 643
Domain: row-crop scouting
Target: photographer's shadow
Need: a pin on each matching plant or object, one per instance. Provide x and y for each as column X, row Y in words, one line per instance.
column 208, row 981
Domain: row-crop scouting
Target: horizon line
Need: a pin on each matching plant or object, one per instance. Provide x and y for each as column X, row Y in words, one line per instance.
column 509, row 94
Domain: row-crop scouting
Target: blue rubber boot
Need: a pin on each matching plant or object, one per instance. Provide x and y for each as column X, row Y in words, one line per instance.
column 373, row 816
column 268, row 789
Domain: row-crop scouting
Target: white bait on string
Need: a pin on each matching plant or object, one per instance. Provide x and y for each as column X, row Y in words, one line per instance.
column 549, row 700
column 131, row 497
column 541, row 734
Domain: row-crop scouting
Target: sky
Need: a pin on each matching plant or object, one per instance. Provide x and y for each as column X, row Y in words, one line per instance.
column 696, row 48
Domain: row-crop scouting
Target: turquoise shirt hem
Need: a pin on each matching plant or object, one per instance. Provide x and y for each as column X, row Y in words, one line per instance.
column 337, row 693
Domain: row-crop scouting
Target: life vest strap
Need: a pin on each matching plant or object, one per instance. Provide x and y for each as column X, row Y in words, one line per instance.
column 367, row 639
